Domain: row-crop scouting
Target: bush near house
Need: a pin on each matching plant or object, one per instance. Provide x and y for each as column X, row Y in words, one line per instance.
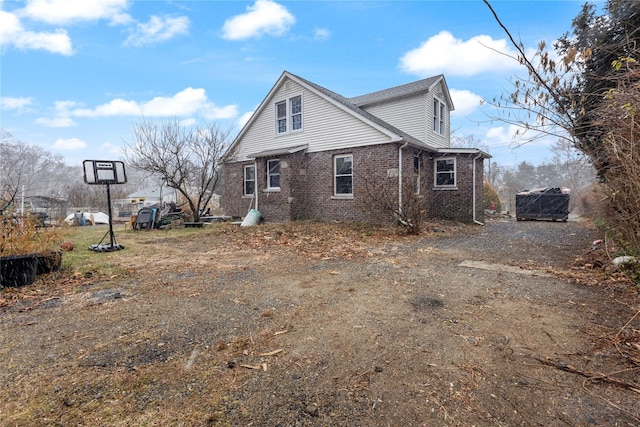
column 490, row 196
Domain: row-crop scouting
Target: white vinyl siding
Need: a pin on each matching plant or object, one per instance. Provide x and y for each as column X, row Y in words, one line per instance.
column 414, row 116
column 406, row 114
column 326, row 127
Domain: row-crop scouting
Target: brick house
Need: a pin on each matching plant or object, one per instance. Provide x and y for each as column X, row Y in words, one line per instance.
column 310, row 153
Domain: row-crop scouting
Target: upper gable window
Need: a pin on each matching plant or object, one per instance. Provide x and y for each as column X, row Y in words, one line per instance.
column 296, row 112
column 281, row 117
column 438, row 116
column 289, row 115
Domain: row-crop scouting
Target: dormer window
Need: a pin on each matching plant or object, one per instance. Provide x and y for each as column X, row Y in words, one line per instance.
column 289, row 115
column 438, row 116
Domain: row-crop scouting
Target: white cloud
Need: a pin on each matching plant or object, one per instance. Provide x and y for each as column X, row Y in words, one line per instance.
column 12, row 33
column 509, row 135
column 69, row 144
column 188, row 122
column 158, row 30
column 70, row 11
column 444, row 54
column 321, row 34
column 264, row 17
column 227, row 112
column 244, row 119
column 56, row 122
column 186, row 103
column 110, row 148
column 15, row 103
column 464, row 101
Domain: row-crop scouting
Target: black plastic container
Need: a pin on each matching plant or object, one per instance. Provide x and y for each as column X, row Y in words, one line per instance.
column 18, row 270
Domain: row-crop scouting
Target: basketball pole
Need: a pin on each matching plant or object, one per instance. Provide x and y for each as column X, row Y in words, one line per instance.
column 112, row 246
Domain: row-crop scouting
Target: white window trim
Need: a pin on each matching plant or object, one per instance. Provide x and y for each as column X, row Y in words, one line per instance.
column 453, row 186
column 418, row 175
column 335, row 177
column 244, row 182
column 278, row 118
column 288, row 117
column 301, row 113
column 269, row 188
column 439, row 110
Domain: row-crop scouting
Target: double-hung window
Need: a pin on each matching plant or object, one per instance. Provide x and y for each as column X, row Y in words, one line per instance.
column 438, row 116
column 343, row 175
column 249, row 180
column 445, row 172
column 295, row 104
column 289, row 115
column 416, row 173
column 281, row 117
column 273, row 174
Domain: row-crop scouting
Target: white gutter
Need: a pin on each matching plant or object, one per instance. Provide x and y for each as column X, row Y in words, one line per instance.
column 474, row 189
column 400, row 176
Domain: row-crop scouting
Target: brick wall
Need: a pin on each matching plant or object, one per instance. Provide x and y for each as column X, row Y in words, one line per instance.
column 307, row 181
column 457, row 204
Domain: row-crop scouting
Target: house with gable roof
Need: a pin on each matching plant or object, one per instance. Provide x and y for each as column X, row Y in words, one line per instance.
column 310, row 153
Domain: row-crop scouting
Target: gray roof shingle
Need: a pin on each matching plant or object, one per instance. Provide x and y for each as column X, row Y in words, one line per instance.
column 396, row 92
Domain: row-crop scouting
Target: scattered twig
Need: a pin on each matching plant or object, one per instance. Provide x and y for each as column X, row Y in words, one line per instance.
column 271, row 353
column 254, row 367
column 626, row 324
column 591, row 376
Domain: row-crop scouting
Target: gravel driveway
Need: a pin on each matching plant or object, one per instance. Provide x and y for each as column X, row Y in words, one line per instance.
column 328, row 324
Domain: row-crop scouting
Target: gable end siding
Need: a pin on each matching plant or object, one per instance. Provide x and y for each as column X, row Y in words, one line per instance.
column 324, row 127
column 414, row 115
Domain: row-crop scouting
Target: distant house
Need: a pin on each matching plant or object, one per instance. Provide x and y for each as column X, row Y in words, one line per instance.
column 47, row 207
column 310, row 153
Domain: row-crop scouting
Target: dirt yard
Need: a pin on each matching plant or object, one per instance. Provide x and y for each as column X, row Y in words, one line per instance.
column 311, row 324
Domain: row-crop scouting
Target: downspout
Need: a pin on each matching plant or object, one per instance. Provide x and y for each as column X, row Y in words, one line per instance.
column 474, row 189
column 255, row 176
column 400, row 176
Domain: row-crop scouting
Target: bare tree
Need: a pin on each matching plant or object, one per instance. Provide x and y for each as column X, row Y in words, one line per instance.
column 187, row 159
column 29, row 170
column 382, row 196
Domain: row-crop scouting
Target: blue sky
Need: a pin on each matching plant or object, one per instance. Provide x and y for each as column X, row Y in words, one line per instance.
column 75, row 75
